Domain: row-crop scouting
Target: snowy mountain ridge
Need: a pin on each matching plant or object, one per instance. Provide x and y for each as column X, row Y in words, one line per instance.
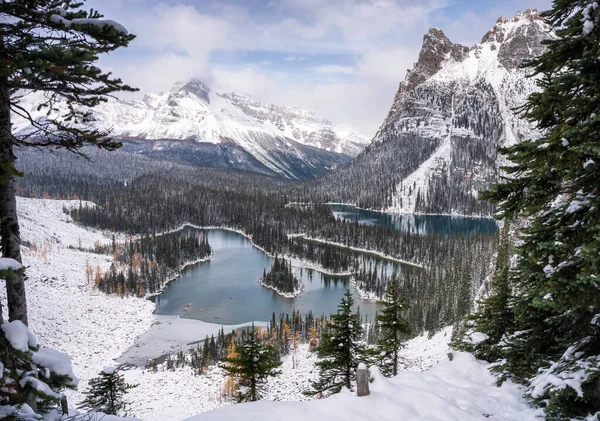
column 438, row 145
column 244, row 133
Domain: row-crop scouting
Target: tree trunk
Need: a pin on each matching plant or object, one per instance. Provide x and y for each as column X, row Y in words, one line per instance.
column 9, row 225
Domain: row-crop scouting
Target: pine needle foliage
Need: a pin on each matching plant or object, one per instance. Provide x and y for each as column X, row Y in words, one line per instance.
column 553, row 341
column 52, row 46
column 494, row 316
column 105, row 393
column 393, row 328
column 254, row 362
column 340, row 350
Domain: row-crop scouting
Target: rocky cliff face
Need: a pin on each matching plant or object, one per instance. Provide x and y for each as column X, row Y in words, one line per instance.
column 193, row 124
column 438, row 145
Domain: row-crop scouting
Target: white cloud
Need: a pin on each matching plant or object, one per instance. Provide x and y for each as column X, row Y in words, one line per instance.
column 176, row 42
column 331, row 69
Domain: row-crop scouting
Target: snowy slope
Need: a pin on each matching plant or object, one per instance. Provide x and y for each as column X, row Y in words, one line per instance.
column 279, row 139
column 303, row 126
column 65, row 312
column 461, row 389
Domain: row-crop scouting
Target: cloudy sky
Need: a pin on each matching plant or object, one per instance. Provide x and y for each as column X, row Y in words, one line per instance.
column 341, row 58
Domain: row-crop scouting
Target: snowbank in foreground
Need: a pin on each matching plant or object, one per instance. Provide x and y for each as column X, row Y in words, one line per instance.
column 173, row 395
column 461, row 389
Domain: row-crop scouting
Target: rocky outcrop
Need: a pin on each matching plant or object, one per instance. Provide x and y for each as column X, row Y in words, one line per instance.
column 520, row 38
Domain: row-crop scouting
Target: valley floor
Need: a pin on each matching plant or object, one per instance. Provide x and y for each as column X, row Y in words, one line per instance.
column 96, row 330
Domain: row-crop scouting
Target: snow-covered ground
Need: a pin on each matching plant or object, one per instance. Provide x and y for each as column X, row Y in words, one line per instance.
column 65, row 311
column 461, row 389
column 67, row 314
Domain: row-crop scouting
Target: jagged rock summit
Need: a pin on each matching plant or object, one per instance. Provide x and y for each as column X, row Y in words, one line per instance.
column 192, row 123
column 437, row 147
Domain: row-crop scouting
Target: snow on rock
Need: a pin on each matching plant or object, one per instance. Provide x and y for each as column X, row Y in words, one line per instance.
column 8, row 263
column 450, row 88
column 462, row 389
column 19, row 335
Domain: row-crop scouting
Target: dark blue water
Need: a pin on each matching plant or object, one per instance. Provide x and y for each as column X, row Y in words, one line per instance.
column 225, row 289
column 417, row 224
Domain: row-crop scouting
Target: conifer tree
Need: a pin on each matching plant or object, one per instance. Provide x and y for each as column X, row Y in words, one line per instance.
column 231, row 383
column 313, row 338
column 553, row 181
column 254, row 363
column 494, row 316
column 105, row 393
column 340, row 349
column 30, row 374
column 49, row 46
column 393, row 328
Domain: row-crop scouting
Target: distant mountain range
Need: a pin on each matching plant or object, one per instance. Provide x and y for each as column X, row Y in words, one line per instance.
column 191, row 123
column 437, row 147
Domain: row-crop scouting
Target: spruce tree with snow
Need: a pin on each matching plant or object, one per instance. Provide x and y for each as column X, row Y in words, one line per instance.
column 254, row 362
column 393, row 328
column 50, row 46
column 553, row 344
column 32, row 377
column 105, row 392
column 340, row 350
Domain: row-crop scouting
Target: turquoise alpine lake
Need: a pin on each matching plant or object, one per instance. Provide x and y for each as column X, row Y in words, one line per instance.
column 417, row 224
column 225, row 289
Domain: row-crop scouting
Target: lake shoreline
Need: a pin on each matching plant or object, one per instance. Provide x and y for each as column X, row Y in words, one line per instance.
column 389, row 212
column 170, row 334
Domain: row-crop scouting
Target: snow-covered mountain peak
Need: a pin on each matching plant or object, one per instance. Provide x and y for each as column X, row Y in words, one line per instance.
column 518, row 38
column 438, row 145
column 303, row 126
column 230, row 130
column 436, row 50
column 192, row 87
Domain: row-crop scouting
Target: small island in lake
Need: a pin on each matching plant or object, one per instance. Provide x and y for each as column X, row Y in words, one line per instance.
column 281, row 279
